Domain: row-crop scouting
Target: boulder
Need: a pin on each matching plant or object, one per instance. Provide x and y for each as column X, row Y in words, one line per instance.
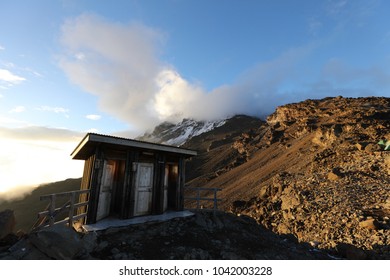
column 264, row 192
column 359, row 146
column 372, row 148
column 387, row 162
column 369, row 224
column 58, row 242
column 290, row 199
column 289, row 202
column 9, row 240
column 283, row 228
column 239, row 204
column 7, row 222
column 351, row 252
column 333, row 176
column 89, row 241
column 23, row 250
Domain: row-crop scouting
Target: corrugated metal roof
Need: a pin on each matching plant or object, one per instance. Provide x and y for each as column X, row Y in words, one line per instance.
column 94, row 138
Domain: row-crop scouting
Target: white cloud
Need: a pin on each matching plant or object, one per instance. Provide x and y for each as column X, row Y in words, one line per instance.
column 33, row 72
column 7, row 76
column 18, row 109
column 80, row 56
column 9, row 64
column 93, row 117
column 315, row 26
column 336, row 6
column 57, row 110
column 53, row 109
column 2, row 48
column 351, row 13
column 120, row 66
column 338, row 71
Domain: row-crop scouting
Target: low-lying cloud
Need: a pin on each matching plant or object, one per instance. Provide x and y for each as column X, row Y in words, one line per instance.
column 34, row 155
column 120, row 64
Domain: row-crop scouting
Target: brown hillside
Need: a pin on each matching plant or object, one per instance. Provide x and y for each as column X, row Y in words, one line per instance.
column 314, row 170
column 221, row 149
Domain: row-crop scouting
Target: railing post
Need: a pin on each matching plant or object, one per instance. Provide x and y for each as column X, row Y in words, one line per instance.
column 71, row 209
column 198, row 199
column 209, row 197
column 52, row 209
column 48, row 217
column 215, row 200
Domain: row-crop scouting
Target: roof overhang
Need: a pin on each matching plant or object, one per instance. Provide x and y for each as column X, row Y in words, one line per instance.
column 88, row 144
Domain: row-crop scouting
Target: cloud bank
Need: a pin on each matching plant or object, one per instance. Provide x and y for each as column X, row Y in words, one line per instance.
column 120, row 65
column 34, row 155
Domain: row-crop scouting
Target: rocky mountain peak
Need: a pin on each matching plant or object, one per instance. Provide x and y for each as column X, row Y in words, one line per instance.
column 177, row 134
column 351, row 120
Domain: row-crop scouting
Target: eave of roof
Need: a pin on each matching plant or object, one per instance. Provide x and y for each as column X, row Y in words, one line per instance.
column 94, row 138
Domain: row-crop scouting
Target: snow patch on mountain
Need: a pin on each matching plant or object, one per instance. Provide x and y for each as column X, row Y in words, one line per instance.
column 178, row 134
column 191, row 128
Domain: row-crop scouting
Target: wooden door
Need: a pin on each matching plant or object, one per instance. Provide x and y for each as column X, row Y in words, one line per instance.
column 106, row 187
column 143, row 189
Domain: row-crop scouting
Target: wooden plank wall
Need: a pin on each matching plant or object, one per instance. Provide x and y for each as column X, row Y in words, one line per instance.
column 96, row 174
column 128, row 188
column 180, row 185
column 86, row 184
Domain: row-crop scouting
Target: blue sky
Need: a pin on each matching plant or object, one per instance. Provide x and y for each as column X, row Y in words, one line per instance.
column 120, row 67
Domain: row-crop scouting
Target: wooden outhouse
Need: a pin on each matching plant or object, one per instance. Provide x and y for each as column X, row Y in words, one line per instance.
column 129, row 178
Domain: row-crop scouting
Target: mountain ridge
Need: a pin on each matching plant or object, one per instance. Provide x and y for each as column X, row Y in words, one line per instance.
column 317, row 160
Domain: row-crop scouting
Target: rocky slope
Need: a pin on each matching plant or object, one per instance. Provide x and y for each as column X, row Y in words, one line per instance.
column 222, row 149
column 317, row 172
column 204, row 236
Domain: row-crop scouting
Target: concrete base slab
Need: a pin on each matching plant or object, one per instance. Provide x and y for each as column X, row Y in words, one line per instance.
column 115, row 222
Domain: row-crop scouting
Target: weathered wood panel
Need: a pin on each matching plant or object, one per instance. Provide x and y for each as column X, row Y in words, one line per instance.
column 128, row 189
column 106, row 187
column 86, row 184
column 180, row 185
column 143, row 188
column 158, row 190
column 96, row 173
